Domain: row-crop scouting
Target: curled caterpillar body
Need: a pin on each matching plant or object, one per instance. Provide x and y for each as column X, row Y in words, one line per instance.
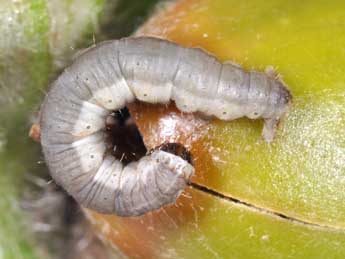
column 109, row 76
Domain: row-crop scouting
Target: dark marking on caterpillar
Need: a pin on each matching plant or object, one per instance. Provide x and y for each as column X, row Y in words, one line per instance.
column 112, row 74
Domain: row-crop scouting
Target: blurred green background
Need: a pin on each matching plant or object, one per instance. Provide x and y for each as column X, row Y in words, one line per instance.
column 38, row 38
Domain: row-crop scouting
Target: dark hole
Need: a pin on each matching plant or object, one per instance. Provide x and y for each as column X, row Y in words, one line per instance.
column 125, row 140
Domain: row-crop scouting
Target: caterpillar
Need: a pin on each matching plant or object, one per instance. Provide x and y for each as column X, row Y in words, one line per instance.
column 114, row 73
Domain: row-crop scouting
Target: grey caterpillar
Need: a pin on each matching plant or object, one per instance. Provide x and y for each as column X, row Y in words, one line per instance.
column 112, row 74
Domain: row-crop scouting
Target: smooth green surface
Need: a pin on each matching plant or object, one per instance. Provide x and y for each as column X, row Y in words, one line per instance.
column 302, row 172
column 227, row 230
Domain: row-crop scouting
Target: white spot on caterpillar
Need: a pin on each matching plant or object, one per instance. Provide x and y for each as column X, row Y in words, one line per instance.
column 114, row 96
column 90, row 151
column 147, row 93
column 91, row 119
column 112, row 74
